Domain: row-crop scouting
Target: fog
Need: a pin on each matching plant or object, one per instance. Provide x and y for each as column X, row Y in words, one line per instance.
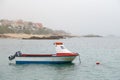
column 80, row 17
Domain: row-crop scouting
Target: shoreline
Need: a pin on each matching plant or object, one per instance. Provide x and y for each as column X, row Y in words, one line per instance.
column 47, row 36
column 31, row 36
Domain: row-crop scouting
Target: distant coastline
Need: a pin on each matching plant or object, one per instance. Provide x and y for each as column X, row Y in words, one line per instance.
column 27, row 27
column 20, row 29
column 32, row 36
column 92, row 35
column 48, row 36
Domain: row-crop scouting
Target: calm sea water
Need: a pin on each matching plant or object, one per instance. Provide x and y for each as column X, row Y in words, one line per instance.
column 104, row 50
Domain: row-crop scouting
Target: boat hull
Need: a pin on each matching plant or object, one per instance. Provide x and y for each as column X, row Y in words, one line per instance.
column 44, row 60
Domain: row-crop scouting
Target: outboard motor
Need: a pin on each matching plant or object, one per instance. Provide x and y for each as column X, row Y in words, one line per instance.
column 11, row 57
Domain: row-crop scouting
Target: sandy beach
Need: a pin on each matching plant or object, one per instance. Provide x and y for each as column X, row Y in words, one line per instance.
column 20, row 36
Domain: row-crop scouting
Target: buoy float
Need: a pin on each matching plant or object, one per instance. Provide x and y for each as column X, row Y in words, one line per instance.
column 97, row 63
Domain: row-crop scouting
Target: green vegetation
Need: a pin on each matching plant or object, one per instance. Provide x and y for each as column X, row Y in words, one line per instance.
column 5, row 29
column 44, row 30
column 26, row 27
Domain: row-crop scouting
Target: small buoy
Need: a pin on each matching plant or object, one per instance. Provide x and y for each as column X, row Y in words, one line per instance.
column 97, row 63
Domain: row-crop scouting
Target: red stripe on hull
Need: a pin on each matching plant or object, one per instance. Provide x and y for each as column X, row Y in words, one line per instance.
column 35, row 55
column 67, row 54
column 49, row 55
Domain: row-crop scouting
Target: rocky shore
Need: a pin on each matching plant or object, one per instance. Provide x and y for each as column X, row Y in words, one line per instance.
column 31, row 36
column 45, row 37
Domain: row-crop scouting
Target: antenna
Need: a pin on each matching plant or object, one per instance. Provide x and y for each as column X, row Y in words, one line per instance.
column 21, row 44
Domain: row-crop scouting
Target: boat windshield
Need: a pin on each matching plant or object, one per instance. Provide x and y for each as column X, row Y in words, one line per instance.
column 62, row 47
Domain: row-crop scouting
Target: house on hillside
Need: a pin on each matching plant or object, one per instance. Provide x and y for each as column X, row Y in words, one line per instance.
column 38, row 25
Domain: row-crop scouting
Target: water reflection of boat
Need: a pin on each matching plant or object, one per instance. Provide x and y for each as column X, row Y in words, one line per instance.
column 63, row 55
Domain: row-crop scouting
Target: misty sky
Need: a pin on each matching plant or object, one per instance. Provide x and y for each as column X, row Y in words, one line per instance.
column 75, row 16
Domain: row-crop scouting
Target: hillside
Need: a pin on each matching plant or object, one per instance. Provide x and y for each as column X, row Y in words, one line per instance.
column 28, row 30
column 27, row 27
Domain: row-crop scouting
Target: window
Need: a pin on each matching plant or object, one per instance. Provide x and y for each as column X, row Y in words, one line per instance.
column 62, row 47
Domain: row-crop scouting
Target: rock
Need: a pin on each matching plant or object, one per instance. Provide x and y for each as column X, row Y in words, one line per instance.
column 48, row 37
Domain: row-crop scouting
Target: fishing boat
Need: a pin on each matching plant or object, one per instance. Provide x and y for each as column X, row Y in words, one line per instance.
column 62, row 55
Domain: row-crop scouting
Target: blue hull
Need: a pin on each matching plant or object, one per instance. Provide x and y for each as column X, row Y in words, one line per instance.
column 42, row 62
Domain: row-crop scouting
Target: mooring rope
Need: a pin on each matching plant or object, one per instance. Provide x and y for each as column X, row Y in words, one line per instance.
column 79, row 58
